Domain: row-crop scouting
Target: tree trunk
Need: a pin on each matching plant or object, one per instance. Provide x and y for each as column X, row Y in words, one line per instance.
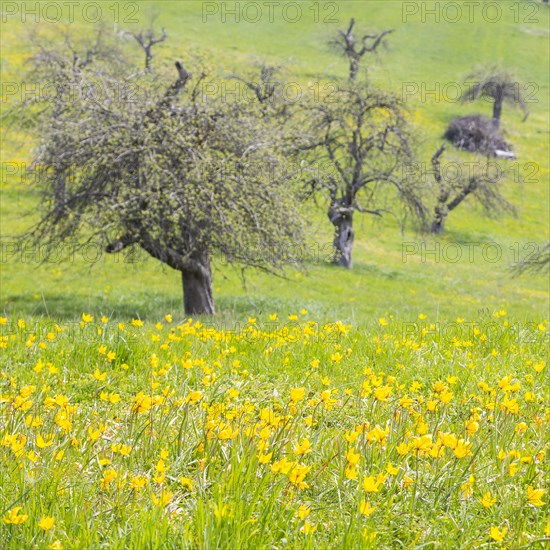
column 438, row 224
column 342, row 219
column 353, row 68
column 197, row 290
column 497, row 111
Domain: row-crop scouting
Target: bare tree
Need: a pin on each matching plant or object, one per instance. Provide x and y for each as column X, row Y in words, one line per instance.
column 497, row 85
column 363, row 139
column 477, row 180
column 348, row 45
column 177, row 173
column 146, row 40
column 265, row 86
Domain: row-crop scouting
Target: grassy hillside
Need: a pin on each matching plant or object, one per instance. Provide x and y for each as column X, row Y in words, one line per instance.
column 400, row 404
column 423, row 55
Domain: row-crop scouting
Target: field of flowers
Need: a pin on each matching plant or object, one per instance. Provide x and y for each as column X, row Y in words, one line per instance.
column 278, row 433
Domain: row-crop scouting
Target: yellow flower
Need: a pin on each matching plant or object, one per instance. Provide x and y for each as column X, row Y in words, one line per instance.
column 302, row 448
column 163, row 500
column 41, row 444
column 497, row 534
column 159, row 477
column 93, row 434
column 99, row 376
column 371, row 485
column 472, row 427
column 352, row 457
column 351, row 471
column 488, row 500
column 303, row 511
column 187, row 483
column 520, row 428
column 297, row 475
column 14, row 517
column 468, row 487
column 55, row 545
column 137, row 323
column 46, row 523
column 87, row 318
column 534, row 496
column 366, row 509
column 407, row 481
column 193, row 397
column 138, row 482
column 382, row 393
column 392, row 470
column 462, row 449
column 220, row 512
column 108, row 476
column 382, row 321
column 142, row 403
column 308, row 528
column 297, row 394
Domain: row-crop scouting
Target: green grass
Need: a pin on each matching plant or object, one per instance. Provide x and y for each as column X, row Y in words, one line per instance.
column 235, row 501
column 422, row 53
column 439, row 420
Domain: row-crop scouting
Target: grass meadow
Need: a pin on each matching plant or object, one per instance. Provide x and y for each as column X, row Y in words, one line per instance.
column 400, row 404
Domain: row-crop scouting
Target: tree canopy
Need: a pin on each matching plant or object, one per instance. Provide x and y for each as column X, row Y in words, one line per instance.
column 153, row 161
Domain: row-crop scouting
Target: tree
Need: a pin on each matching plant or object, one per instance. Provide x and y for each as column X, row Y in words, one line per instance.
column 147, row 40
column 477, row 180
column 183, row 175
column 363, row 139
column 538, row 262
column 498, row 86
column 345, row 43
column 67, row 62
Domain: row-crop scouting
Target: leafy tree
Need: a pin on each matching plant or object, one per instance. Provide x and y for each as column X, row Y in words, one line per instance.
column 498, row 86
column 156, row 163
column 477, row 180
column 345, row 42
column 363, row 139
